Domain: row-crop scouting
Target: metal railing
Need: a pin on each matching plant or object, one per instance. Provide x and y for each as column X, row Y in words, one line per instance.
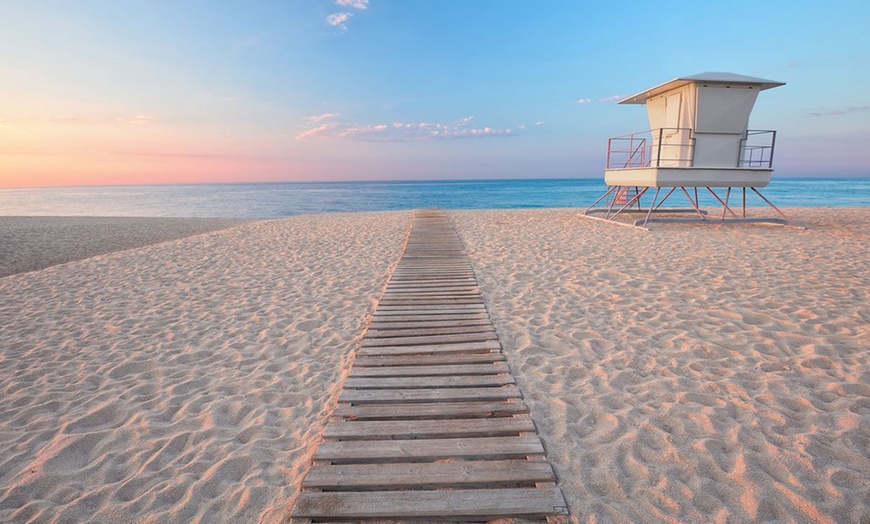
column 675, row 147
column 663, row 147
column 756, row 148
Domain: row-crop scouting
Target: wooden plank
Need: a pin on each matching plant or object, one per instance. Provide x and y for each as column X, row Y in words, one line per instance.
column 430, row 275
column 403, row 429
column 428, row 382
column 428, row 360
column 429, row 339
column 427, row 331
column 432, row 268
column 430, row 316
column 404, row 331
column 463, row 347
column 429, row 449
column 426, row 284
column 430, row 371
column 429, row 292
column 399, row 280
column 458, row 321
column 486, row 503
column 457, row 295
column 411, row 311
column 432, row 410
column 363, row 396
column 420, row 301
column 451, row 308
column 428, row 475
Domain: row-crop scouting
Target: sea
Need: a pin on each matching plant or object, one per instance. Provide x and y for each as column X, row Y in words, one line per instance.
column 275, row 200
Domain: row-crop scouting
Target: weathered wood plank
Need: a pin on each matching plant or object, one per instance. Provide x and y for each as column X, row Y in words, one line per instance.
column 468, row 283
column 459, row 321
column 432, row 292
column 427, row 331
column 431, row 301
column 363, row 396
column 488, row 503
column 430, row 371
column 462, row 381
column 403, row 429
column 428, row 475
column 429, row 313
column 432, row 410
column 451, row 308
column 428, row 295
column 431, row 349
column 440, row 359
column 428, row 316
column 429, row 449
column 475, row 336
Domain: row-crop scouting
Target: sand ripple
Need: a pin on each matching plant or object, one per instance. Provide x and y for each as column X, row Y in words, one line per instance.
column 187, row 381
column 689, row 374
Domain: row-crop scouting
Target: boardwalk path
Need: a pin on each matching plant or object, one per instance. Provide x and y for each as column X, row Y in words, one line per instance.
column 430, row 423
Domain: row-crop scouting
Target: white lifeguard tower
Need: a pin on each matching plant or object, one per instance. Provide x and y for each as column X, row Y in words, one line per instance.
column 698, row 138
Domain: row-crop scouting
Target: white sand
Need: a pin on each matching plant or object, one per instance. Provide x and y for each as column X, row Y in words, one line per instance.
column 31, row 243
column 187, row 381
column 693, row 373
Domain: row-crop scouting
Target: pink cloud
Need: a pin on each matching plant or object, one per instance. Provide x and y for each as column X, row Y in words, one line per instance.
column 319, row 118
column 403, row 131
column 136, row 120
column 339, row 20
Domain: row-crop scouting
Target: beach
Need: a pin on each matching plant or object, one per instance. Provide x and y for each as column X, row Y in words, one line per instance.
column 34, row 242
column 714, row 373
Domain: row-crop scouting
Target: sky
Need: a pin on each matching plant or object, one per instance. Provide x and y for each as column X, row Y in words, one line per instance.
column 155, row 92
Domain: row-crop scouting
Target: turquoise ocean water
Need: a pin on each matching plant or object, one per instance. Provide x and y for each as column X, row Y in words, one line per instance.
column 285, row 199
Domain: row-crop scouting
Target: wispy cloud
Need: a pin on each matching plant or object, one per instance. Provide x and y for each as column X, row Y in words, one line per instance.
column 356, row 4
column 67, row 120
column 612, row 98
column 403, row 131
column 324, row 130
column 339, row 20
column 320, row 118
column 836, row 112
column 136, row 119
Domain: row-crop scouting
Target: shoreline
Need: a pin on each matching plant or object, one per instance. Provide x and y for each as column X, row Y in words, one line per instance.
column 697, row 373
column 31, row 243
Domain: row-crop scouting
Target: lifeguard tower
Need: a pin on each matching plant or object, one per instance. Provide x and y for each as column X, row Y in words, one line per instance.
column 698, row 140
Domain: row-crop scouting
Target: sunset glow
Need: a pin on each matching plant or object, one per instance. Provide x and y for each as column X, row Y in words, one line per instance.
column 169, row 92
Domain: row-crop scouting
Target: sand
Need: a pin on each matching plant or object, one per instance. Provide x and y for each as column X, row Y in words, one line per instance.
column 692, row 373
column 31, row 243
column 187, row 381
column 689, row 374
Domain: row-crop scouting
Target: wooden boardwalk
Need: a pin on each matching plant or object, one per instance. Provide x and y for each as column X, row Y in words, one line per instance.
column 430, row 425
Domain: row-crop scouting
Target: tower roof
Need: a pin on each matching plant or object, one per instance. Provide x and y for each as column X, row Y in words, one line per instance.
column 702, row 78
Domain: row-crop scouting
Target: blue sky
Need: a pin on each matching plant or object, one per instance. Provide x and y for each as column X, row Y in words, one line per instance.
column 137, row 92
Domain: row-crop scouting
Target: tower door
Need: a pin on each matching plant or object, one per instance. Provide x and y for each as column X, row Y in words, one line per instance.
column 675, row 150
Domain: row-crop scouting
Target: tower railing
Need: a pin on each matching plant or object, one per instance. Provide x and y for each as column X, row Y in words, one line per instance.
column 662, row 147
column 756, row 148
column 675, row 147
